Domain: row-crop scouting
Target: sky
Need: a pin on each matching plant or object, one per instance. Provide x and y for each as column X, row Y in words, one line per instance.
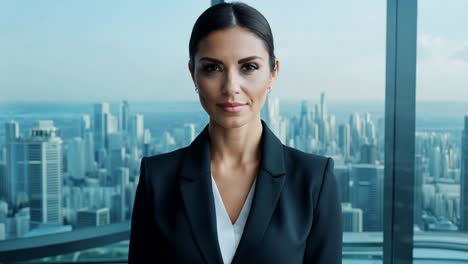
column 108, row 50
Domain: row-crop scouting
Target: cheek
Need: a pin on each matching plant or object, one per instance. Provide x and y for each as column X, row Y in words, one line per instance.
column 257, row 86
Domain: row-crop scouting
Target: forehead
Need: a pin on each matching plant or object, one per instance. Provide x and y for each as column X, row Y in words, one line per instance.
column 235, row 43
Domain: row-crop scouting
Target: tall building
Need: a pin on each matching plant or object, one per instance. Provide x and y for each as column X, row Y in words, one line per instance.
column 355, row 127
column 124, row 115
column 344, row 141
column 119, row 207
column 85, row 125
column 368, row 154
column 342, row 177
column 90, row 162
column 323, row 107
column 10, row 180
column 136, row 128
column 464, row 179
column 3, row 183
column 366, row 193
column 43, row 167
column 418, row 191
column 436, row 161
column 76, row 158
column 101, row 111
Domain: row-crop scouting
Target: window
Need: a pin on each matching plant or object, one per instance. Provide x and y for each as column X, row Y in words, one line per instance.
column 440, row 190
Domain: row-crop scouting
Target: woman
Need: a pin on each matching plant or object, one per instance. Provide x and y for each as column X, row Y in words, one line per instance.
column 236, row 194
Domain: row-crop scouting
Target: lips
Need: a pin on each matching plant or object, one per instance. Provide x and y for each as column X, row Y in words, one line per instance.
column 233, row 104
column 233, row 107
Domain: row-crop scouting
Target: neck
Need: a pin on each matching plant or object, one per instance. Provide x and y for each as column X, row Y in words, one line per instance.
column 235, row 146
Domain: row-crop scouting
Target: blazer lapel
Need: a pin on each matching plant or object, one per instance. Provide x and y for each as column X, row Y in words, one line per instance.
column 270, row 182
column 197, row 195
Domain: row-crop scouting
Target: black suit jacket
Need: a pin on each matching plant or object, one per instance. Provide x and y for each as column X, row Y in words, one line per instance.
column 295, row 215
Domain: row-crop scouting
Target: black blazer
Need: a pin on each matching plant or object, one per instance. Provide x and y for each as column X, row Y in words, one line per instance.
column 295, row 216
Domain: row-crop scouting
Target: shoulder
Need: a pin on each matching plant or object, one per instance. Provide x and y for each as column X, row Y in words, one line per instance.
column 158, row 168
column 306, row 161
column 164, row 159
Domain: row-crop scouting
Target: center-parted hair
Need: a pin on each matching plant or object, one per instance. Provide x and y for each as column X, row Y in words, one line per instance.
column 227, row 15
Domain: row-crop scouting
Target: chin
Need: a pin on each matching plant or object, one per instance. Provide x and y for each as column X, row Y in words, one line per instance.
column 231, row 121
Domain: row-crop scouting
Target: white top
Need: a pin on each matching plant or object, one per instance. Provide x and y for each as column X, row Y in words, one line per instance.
column 230, row 234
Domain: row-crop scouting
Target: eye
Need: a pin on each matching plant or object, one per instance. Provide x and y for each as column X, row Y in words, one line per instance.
column 249, row 67
column 211, row 68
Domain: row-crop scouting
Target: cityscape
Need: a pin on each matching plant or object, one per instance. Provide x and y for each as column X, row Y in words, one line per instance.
column 67, row 171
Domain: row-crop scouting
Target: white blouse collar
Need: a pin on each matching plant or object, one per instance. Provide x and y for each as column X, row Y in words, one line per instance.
column 229, row 234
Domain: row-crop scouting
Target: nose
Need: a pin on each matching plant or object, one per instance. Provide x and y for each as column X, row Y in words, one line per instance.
column 231, row 83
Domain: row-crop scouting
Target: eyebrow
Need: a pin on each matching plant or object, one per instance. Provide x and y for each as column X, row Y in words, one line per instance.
column 240, row 61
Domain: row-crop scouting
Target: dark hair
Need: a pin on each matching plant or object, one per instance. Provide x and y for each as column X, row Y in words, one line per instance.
column 226, row 15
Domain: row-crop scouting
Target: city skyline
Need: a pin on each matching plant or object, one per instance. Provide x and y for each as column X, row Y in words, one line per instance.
column 101, row 165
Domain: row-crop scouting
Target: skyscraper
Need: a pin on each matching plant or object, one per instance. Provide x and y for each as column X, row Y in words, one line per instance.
column 85, row 125
column 136, row 128
column 76, row 158
column 41, row 164
column 124, row 115
column 10, row 179
column 344, row 141
column 323, row 107
column 464, row 179
column 100, row 125
column 367, row 194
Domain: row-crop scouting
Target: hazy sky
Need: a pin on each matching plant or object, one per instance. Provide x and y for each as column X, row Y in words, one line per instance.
column 88, row 50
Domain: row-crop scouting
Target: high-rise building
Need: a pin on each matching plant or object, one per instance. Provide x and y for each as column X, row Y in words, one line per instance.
column 464, row 179
column 90, row 162
column 344, row 141
column 85, row 125
column 368, row 154
column 418, row 191
column 119, row 206
column 366, row 193
column 323, row 107
column 355, row 129
column 352, row 218
column 342, row 177
column 76, row 158
column 435, row 164
column 124, row 115
column 3, row 182
column 101, row 110
column 10, row 180
column 136, row 128
column 43, row 167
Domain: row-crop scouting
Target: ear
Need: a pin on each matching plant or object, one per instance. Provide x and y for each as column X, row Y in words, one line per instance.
column 274, row 73
column 191, row 70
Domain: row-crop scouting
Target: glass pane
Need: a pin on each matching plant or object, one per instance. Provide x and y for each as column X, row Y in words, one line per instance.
column 87, row 89
column 441, row 156
column 329, row 100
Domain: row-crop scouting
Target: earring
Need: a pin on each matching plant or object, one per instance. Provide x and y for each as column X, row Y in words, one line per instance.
column 196, row 89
